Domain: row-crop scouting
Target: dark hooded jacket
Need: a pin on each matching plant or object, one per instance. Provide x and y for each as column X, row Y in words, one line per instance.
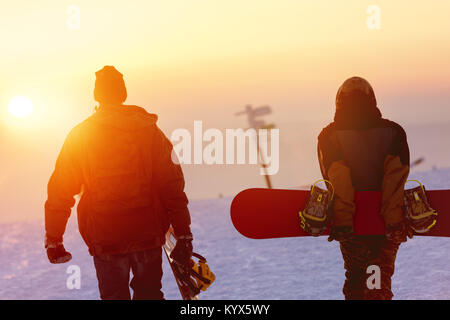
column 361, row 151
column 131, row 190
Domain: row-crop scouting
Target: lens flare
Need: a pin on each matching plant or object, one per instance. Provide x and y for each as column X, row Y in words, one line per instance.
column 20, row 107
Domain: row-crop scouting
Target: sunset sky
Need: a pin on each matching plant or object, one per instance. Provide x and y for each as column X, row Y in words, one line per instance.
column 192, row 60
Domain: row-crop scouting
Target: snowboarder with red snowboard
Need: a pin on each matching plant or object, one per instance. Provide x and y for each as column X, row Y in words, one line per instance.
column 361, row 151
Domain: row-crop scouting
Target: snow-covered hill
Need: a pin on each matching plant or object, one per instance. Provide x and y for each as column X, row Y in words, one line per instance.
column 295, row 268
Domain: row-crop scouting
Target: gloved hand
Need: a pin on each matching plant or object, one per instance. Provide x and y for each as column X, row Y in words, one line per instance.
column 399, row 232
column 182, row 252
column 56, row 252
column 341, row 233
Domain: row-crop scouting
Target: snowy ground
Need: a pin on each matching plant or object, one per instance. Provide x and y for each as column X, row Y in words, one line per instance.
column 295, row 268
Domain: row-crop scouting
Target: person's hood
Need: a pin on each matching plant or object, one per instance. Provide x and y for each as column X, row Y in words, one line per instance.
column 356, row 104
column 124, row 117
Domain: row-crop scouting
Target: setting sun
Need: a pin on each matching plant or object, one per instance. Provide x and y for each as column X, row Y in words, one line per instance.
column 20, row 107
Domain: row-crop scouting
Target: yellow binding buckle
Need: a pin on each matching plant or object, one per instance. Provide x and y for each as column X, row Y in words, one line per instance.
column 302, row 220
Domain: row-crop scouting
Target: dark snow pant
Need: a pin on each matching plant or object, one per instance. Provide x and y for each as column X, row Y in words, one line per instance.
column 361, row 252
column 113, row 274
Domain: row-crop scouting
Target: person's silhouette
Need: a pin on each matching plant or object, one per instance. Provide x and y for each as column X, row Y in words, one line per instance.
column 361, row 151
column 131, row 191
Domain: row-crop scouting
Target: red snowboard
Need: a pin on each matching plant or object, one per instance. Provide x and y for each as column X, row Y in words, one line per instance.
column 273, row 213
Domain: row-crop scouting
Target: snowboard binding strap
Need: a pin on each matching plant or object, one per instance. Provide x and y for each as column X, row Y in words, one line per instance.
column 198, row 277
column 202, row 273
column 314, row 218
column 418, row 213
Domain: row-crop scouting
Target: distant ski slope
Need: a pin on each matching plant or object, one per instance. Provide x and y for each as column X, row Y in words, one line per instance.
column 303, row 268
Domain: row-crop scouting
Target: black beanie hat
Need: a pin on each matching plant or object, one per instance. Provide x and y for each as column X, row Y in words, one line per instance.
column 109, row 86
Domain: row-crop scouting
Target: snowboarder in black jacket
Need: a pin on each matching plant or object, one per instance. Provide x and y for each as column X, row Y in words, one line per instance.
column 361, row 151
